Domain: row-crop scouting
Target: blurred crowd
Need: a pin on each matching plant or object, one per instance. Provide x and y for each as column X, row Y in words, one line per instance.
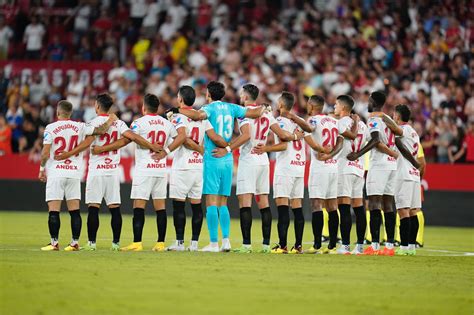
column 419, row 52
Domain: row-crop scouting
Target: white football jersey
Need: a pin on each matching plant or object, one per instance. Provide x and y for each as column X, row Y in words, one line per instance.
column 259, row 130
column 184, row 158
column 65, row 135
column 379, row 160
column 344, row 165
column 290, row 162
column 106, row 163
column 325, row 133
column 411, row 141
column 155, row 129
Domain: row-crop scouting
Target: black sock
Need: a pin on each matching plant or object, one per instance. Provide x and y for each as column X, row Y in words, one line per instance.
column 390, row 220
column 375, row 221
column 246, row 224
column 76, row 223
column 161, row 221
column 414, row 225
column 333, row 226
column 92, row 223
column 196, row 221
column 299, row 226
column 54, row 223
column 116, row 223
column 179, row 219
column 361, row 223
column 346, row 223
column 266, row 225
column 404, row 231
column 283, row 224
column 317, row 222
column 137, row 223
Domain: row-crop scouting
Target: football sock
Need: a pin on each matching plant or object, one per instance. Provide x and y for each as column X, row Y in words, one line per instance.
column 179, row 219
column 138, row 222
column 116, row 224
column 212, row 219
column 361, row 223
column 224, row 220
column 390, row 226
column 325, row 223
column 299, row 226
column 397, row 228
column 54, row 223
column 375, row 221
column 368, row 234
column 76, row 224
column 333, row 227
column 246, row 224
column 196, row 221
column 283, row 224
column 317, row 222
column 161, row 222
column 346, row 223
column 414, row 229
column 266, row 224
column 404, row 231
column 92, row 223
column 421, row 227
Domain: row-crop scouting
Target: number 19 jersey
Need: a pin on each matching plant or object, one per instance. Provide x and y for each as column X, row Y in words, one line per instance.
column 325, row 133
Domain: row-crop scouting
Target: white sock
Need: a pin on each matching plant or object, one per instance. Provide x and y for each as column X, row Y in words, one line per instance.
column 389, row 245
column 347, row 247
column 403, row 247
column 74, row 242
column 265, row 246
column 214, row 244
column 90, row 243
column 179, row 242
column 375, row 246
column 54, row 241
column 194, row 243
column 225, row 241
column 360, row 247
column 411, row 246
column 247, row 245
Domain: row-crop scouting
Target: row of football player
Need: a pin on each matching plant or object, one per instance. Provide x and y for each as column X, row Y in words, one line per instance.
column 336, row 170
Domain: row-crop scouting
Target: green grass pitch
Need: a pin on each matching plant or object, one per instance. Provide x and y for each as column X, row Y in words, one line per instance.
column 439, row 280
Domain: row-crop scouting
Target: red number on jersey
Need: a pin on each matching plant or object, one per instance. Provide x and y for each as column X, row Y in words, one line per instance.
column 262, row 127
column 357, row 143
column 109, row 138
column 390, row 137
column 62, row 144
column 415, row 150
column 331, row 136
column 157, row 137
column 297, row 145
column 195, row 134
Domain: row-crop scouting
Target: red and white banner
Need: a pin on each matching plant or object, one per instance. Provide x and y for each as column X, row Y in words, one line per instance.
column 57, row 72
column 457, row 177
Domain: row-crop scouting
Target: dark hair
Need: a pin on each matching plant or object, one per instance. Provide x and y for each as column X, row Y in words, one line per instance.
column 317, row 100
column 188, row 94
column 251, row 90
column 151, row 102
column 65, row 106
column 216, row 90
column 105, row 101
column 288, row 99
column 347, row 100
column 378, row 98
column 404, row 112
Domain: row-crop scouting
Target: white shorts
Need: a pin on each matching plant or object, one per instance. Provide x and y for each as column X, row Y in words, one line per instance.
column 288, row 187
column 381, row 182
column 322, row 185
column 350, row 185
column 103, row 187
column 253, row 180
column 186, row 183
column 58, row 188
column 408, row 195
column 144, row 186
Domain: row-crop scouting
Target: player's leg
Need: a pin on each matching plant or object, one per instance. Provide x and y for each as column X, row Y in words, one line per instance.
column 389, row 212
column 180, row 184
column 225, row 188
column 376, row 181
column 73, row 197
column 245, row 205
column 297, row 208
column 404, row 214
column 333, row 223
column 282, row 186
column 211, row 183
column 158, row 194
column 112, row 199
column 266, row 215
column 344, row 192
column 317, row 225
column 54, row 197
column 138, row 222
column 196, row 222
column 95, row 191
column 414, row 222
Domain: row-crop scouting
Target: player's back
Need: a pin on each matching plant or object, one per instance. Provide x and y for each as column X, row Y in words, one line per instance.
column 325, row 133
column 290, row 162
column 106, row 163
column 155, row 129
column 379, row 160
column 411, row 141
column 65, row 135
column 348, row 146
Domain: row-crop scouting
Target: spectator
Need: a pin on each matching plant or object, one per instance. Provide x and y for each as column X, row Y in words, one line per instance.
column 15, row 122
column 5, row 137
column 177, row 13
column 81, row 16
column 6, row 34
column 465, row 151
column 39, row 88
column 446, row 134
column 74, row 92
column 56, row 50
column 33, row 38
column 150, row 22
column 46, row 111
column 138, row 9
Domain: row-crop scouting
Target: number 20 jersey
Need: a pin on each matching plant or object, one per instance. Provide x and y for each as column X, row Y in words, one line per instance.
column 325, row 133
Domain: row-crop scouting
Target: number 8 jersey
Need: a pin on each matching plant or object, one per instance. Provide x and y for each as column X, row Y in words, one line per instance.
column 106, row 163
column 290, row 162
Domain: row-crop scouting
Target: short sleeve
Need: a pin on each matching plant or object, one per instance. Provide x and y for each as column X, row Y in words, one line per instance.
column 242, row 122
column 173, row 132
column 178, row 121
column 135, row 127
column 343, row 125
column 271, row 120
column 208, row 110
column 373, row 125
column 47, row 136
column 87, row 129
column 207, row 125
column 122, row 127
column 238, row 111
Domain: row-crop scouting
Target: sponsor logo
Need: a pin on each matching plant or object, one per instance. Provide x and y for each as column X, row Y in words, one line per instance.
column 66, row 167
column 391, row 159
column 108, row 160
column 355, row 164
column 106, row 166
column 196, row 154
column 373, row 124
column 134, row 127
column 414, row 171
column 156, row 165
column 177, row 120
column 194, row 161
column 297, row 163
column 298, row 156
column 330, row 161
column 67, row 161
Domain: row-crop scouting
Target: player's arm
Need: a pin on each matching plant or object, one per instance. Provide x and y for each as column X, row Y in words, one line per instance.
column 422, row 168
column 382, row 147
column 351, row 134
column 191, row 145
column 337, row 148
column 254, row 112
column 44, row 159
column 392, row 125
column 374, row 140
column 118, row 144
column 303, row 124
column 260, row 149
column 406, row 154
column 81, row 147
column 316, row 146
column 217, row 139
column 141, row 141
column 105, row 126
column 235, row 143
column 190, row 113
column 284, row 135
